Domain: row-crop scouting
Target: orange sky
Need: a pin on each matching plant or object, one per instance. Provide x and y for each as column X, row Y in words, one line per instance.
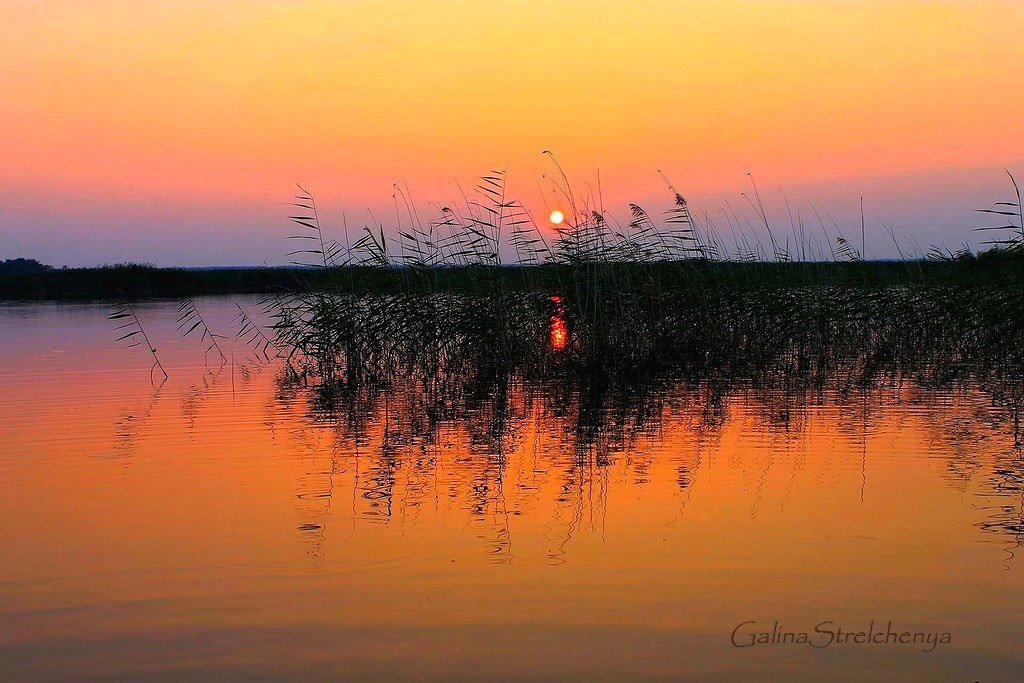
column 126, row 125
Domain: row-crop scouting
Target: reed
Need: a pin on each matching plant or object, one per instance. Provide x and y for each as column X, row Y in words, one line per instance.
column 435, row 314
column 190, row 320
column 619, row 310
column 133, row 334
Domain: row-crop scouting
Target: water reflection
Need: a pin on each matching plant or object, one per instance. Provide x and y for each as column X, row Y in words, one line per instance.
column 450, row 517
column 495, row 457
column 559, row 330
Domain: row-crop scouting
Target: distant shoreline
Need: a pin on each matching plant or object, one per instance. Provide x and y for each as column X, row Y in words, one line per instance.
column 135, row 282
column 150, row 282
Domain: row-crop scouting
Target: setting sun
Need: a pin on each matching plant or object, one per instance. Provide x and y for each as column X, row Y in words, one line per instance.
column 557, row 217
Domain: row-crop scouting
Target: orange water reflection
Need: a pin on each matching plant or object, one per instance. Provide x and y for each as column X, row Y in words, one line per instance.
column 220, row 524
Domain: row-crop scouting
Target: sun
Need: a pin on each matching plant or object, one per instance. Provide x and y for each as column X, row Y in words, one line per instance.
column 557, row 217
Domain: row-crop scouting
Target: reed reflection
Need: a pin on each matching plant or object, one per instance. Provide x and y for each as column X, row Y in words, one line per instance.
column 567, row 387
column 557, row 451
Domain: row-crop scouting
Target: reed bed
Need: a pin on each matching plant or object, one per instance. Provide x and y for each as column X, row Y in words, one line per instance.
column 605, row 320
column 654, row 297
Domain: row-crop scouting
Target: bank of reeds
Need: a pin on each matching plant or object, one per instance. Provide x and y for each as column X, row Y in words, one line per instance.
column 657, row 296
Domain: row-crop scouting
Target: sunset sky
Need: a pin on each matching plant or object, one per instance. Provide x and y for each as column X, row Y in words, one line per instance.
column 173, row 132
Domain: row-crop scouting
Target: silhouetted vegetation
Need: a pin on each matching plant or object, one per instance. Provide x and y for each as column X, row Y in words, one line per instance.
column 605, row 330
column 22, row 266
column 141, row 281
column 607, row 319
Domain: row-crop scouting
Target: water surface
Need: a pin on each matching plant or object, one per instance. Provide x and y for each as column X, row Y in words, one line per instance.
column 228, row 525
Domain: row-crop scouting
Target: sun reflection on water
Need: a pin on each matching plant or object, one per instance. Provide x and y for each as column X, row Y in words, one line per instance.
column 559, row 330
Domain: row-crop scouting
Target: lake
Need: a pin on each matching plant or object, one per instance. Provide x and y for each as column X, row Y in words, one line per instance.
column 230, row 524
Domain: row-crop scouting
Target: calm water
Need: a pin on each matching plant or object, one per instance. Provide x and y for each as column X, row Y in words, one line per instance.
column 222, row 527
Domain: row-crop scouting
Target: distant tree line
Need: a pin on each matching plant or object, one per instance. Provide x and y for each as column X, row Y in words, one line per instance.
column 22, row 266
column 140, row 280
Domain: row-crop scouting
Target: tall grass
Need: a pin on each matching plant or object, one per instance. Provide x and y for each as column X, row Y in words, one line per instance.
column 435, row 312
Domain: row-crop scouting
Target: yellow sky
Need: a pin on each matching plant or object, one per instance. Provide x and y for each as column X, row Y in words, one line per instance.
column 113, row 99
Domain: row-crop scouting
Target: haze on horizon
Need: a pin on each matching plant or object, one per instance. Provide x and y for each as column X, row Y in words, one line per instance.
column 174, row 132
